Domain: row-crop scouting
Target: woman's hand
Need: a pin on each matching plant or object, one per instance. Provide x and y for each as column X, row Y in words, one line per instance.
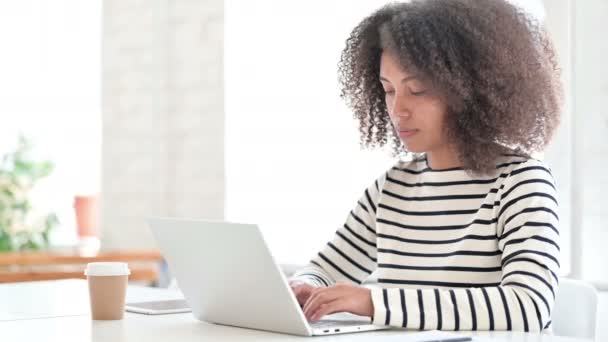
column 301, row 290
column 338, row 298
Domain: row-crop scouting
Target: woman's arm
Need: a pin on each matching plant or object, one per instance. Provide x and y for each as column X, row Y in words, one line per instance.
column 524, row 298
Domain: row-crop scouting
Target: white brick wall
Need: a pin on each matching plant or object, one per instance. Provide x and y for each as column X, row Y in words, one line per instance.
column 163, row 122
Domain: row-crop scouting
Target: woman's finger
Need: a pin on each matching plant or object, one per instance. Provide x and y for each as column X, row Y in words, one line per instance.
column 328, row 308
column 297, row 291
column 301, row 292
column 313, row 298
column 319, row 297
column 302, row 296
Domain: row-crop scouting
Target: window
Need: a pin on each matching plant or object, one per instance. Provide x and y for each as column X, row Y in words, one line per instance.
column 51, row 92
column 293, row 163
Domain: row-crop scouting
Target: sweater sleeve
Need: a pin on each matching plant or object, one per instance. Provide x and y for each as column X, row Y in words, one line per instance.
column 528, row 239
column 351, row 255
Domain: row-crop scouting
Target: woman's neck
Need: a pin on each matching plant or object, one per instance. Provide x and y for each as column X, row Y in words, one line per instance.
column 442, row 159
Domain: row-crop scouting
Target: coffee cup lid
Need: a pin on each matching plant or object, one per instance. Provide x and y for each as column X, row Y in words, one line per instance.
column 107, row 269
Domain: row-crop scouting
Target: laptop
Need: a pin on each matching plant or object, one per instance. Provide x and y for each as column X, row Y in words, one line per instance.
column 228, row 276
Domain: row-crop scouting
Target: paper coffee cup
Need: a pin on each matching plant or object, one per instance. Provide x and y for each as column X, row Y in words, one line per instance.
column 107, row 289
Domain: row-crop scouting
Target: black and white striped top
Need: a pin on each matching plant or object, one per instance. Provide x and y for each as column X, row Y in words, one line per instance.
column 451, row 251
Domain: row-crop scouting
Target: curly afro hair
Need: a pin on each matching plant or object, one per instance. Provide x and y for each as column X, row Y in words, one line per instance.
column 492, row 64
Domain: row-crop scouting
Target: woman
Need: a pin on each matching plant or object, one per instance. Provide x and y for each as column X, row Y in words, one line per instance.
column 464, row 235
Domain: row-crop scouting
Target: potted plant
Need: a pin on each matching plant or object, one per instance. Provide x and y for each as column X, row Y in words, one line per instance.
column 21, row 227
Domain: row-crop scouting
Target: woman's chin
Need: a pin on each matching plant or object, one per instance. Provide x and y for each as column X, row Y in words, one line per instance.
column 414, row 148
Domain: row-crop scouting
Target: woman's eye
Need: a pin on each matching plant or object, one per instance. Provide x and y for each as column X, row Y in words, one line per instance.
column 389, row 92
column 417, row 93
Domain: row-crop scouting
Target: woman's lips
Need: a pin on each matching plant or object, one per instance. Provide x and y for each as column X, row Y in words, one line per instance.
column 406, row 133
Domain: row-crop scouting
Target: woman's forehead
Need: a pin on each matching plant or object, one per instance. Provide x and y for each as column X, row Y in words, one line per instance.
column 391, row 64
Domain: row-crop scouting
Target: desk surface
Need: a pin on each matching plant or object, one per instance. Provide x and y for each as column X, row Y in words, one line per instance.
column 58, row 311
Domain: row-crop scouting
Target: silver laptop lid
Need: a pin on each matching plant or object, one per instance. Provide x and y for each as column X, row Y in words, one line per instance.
column 228, row 275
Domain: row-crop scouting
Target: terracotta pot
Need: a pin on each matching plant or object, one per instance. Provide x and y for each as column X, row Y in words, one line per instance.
column 87, row 215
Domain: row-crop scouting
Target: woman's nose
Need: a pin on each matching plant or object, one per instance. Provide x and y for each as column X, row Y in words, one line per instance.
column 400, row 108
column 402, row 114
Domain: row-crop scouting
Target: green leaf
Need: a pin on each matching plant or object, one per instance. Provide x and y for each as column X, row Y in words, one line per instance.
column 19, row 171
column 5, row 243
column 30, row 244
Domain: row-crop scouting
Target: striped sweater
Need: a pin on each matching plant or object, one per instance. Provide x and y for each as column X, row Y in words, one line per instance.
column 451, row 251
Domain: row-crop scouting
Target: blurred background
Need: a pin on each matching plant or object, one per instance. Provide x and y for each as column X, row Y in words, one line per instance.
column 113, row 111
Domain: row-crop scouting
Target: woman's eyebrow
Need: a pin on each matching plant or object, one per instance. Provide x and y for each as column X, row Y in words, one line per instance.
column 409, row 78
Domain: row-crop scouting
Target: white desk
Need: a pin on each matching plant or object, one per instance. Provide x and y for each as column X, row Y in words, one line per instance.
column 28, row 313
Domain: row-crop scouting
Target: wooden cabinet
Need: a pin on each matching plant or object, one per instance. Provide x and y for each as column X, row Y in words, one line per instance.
column 35, row 266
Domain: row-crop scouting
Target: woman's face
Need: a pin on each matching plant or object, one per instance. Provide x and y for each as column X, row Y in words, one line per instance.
column 416, row 112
